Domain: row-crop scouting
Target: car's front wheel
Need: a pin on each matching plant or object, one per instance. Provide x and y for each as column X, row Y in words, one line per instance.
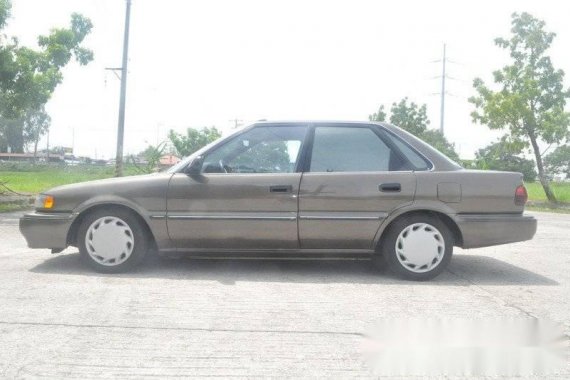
column 418, row 247
column 112, row 241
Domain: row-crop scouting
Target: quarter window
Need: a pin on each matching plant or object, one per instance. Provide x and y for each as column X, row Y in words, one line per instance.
column 344, row 149
column 417, row 161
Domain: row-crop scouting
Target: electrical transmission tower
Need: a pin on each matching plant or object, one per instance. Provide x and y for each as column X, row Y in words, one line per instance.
column 444, row 60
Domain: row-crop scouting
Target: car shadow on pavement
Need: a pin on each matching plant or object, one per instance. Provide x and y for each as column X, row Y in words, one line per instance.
column 463, row 270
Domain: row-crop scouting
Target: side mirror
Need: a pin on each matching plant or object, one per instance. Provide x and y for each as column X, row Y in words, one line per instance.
column 195, row 166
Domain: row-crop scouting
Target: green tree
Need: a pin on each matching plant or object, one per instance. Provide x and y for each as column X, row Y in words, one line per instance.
column 558, row 162
column 151, row 156
column 413, row 118
column 503, row 155
column 380, row 115
column 530, row 99
column 194, row 139
column 36, row 124
column 264, row 157
column 436, row 139
column 5, row 8
column 28, row 77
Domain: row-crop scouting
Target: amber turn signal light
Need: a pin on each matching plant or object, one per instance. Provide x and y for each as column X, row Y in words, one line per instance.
column 48, row 201
column 44, row 201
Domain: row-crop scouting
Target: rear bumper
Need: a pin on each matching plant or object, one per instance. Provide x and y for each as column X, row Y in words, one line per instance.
column 46, row 230
column 483, row 230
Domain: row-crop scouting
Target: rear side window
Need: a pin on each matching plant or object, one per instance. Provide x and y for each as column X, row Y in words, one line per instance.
column 345, row 149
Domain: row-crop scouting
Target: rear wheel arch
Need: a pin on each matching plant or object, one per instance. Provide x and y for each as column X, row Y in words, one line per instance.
column 446, row 219
column 72, row 234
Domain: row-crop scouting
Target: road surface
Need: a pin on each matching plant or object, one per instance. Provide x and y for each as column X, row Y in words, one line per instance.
column 244, row 318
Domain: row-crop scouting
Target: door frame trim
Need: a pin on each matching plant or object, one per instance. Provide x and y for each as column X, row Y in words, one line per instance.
column 332, row 217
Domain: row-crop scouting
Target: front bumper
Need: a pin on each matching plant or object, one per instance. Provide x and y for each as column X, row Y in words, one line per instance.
column 483, row 230
column 46, row 230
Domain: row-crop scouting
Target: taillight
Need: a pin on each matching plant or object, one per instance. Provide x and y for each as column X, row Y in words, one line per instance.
column 521, row 196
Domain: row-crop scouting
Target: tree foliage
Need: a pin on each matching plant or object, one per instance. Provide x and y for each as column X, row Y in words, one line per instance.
column 413, row 118
column 194, row 139
column 503, row 155
column 28, row 77
column 5, row 7
column 151, row 156
column 36, row 124
column 436, row 139
column 379, row 115
column 264, row 157
column 558, row 162
column 530, row 100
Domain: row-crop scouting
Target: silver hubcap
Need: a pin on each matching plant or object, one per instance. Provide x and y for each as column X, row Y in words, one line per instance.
column 109, row 241
column 420, row 247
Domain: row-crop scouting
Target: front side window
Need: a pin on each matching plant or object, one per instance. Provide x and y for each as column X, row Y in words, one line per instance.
column 345, row 149
column 259, row 150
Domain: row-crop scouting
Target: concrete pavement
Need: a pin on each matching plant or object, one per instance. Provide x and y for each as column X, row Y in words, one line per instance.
column 244, row 318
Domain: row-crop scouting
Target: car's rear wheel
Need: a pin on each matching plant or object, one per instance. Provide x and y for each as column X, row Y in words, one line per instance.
column 418, row 247
column 112, row 241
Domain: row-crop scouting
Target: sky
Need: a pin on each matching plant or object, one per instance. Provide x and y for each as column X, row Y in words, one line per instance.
column 208, row 62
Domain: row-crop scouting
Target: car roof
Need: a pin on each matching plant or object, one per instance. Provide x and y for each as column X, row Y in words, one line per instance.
column 285, row 122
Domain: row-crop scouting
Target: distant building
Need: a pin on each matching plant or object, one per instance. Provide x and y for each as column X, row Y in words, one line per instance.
column 41, row 156
column 169, row 160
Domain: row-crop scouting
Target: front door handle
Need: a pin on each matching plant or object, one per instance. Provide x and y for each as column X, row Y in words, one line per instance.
column 281, row 189
column 390, row 187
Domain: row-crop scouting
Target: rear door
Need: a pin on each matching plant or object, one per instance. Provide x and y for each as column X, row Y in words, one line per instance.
column 354, row 176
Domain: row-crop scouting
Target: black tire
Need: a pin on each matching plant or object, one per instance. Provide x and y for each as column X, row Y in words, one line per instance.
column 140, row 240
column 389, row 240
column 379, row 261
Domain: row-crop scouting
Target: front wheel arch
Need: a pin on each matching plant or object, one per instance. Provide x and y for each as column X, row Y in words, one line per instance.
column 72, row 233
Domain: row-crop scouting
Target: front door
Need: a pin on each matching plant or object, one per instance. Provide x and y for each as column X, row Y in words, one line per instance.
column 355, row 177
column 246, row 196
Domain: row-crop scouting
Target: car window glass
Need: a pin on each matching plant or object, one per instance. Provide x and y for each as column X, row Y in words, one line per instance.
column 343, row 149
column 260, row 150
column 417, row 161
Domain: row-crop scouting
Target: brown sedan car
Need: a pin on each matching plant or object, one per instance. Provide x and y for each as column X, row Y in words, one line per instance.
column 295, row 189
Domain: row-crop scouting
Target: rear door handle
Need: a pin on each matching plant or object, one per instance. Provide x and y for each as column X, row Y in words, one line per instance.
column 390, row 187
column 281, row 189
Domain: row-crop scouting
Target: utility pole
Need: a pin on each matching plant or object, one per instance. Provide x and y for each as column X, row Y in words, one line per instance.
column 48, row 145
column 442, row 110
column 121, row 127
column 237, row 122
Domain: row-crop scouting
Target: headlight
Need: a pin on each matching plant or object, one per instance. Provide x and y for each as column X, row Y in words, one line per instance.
column 44, row 201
